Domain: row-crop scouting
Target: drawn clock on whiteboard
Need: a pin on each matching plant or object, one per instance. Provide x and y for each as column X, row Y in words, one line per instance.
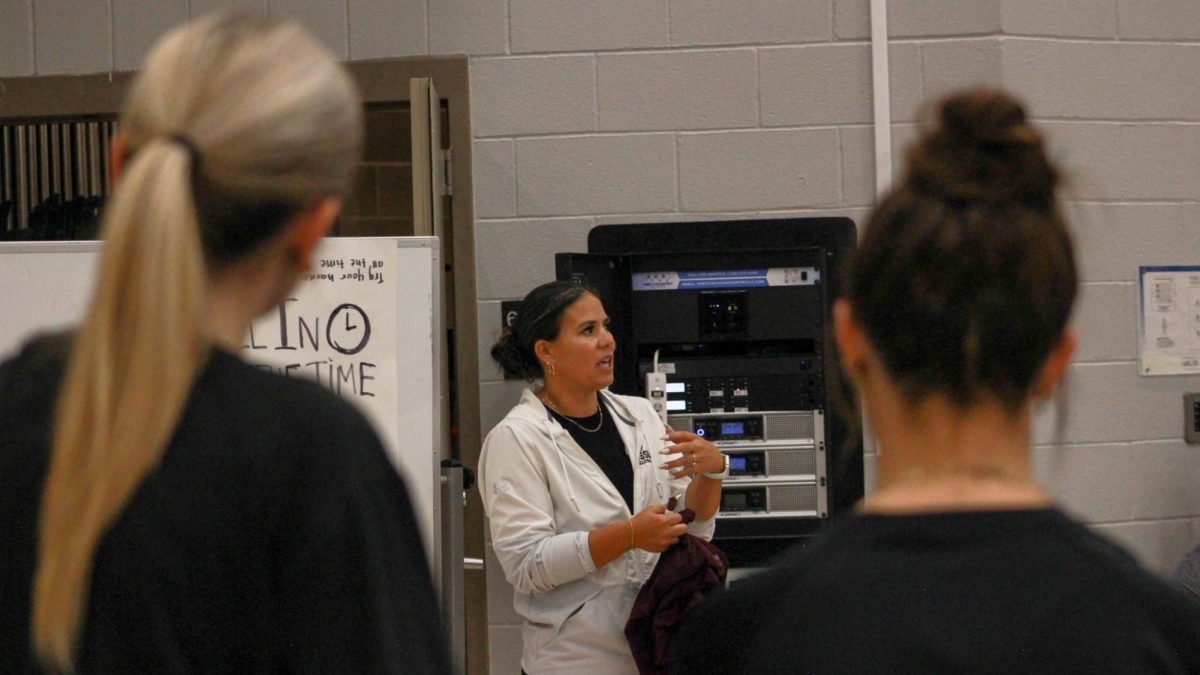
column 348, row 329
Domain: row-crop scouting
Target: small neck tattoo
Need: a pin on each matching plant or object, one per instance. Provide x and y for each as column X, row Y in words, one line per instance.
column 599, row 409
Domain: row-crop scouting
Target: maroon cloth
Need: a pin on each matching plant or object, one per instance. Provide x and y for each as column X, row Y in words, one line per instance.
column 684, row 575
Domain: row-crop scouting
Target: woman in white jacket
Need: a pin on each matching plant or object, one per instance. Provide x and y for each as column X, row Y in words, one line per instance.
column 576, row 481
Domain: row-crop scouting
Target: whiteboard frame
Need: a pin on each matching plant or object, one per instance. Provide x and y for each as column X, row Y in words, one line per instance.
column 435, row 391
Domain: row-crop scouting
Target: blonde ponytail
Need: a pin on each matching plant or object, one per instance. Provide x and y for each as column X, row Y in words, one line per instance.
column 235, row 124
column 129, row 374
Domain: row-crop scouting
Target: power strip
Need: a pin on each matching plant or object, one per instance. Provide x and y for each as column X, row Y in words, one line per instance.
column 656, row 391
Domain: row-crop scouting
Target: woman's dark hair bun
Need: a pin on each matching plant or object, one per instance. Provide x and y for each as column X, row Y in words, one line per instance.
column 982, row 151
column 514, row 360
column 538, row 318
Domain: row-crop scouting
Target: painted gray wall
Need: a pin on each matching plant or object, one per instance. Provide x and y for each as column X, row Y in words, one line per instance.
column 605, row 111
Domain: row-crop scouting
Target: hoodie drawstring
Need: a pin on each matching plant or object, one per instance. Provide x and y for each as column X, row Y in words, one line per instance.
column 562, row 463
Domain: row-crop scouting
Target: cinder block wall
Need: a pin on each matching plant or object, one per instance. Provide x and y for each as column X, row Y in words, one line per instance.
column 604, row 111
column 1116, row 87
column 642, row 111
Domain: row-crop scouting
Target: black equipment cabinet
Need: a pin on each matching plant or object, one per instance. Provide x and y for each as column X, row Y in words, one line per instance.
column 738, row 314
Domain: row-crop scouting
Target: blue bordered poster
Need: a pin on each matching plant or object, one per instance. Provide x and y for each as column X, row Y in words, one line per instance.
column 1169, row 323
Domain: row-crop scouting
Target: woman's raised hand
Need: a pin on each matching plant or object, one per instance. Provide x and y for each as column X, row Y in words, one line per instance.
column 696, row 454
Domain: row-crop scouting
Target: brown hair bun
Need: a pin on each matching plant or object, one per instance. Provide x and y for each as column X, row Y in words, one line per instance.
column 965, row 275
column 982, row 150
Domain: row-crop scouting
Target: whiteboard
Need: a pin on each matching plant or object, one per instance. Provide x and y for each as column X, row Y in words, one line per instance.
column 43, row 287
column 364, row 323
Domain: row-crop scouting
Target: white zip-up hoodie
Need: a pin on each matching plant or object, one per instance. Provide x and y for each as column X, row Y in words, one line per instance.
column 543, row 494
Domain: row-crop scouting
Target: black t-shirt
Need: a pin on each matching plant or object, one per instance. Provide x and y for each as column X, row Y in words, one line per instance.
column 274, row 536
column 1010, row 591
column 603, row 445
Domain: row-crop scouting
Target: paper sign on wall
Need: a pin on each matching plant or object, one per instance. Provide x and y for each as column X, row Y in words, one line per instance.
column 335, row 328
column 1169, row 324
column 363, row 323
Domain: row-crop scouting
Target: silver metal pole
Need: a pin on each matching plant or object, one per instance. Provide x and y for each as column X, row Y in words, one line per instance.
column 453, row 602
